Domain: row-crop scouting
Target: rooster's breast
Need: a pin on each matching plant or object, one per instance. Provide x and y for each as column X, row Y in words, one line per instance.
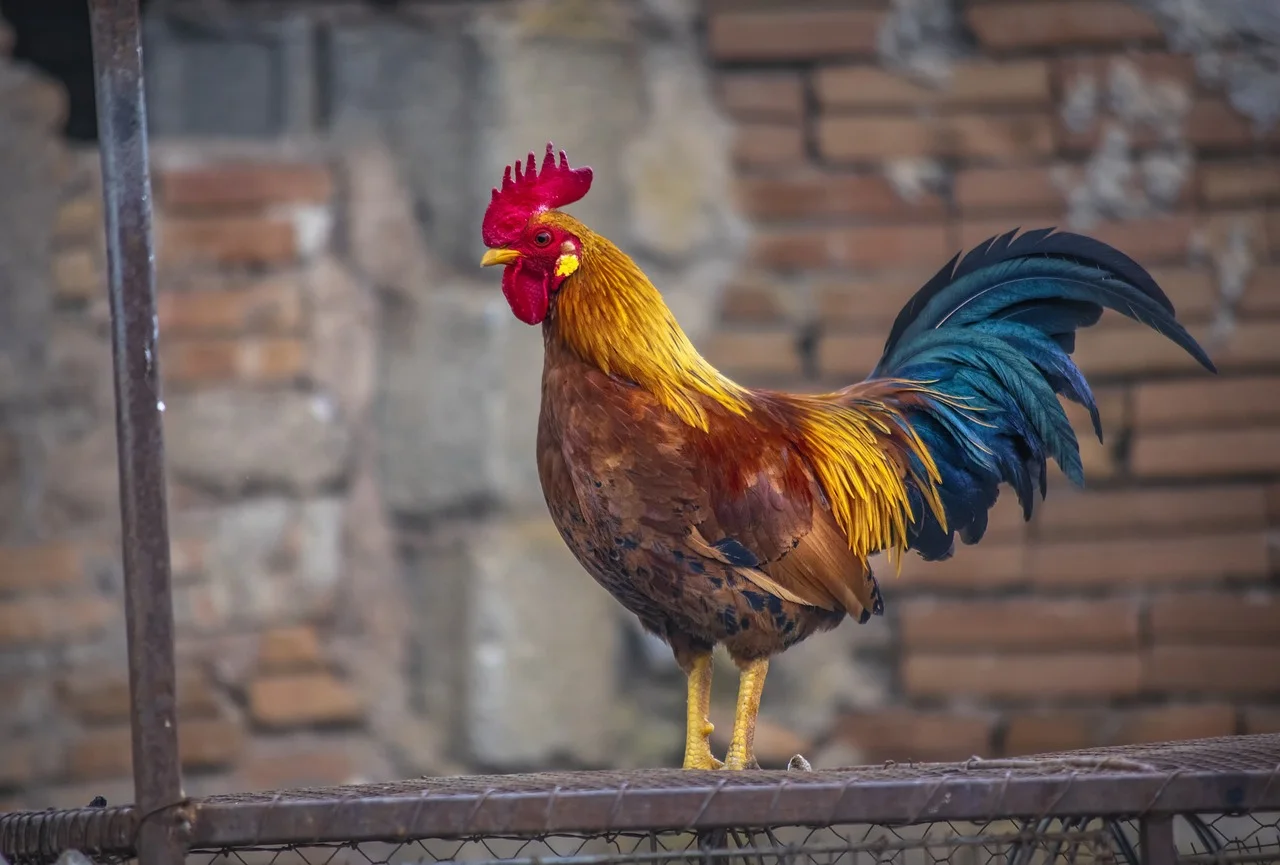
column 624, row 489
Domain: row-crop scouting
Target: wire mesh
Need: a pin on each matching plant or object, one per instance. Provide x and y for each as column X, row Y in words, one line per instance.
column 1214, row 838
column 1078, row 806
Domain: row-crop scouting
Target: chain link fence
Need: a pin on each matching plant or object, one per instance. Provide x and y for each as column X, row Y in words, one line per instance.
column 1215, row 800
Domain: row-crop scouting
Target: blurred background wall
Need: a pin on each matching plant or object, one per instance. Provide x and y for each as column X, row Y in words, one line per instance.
column 367, row 583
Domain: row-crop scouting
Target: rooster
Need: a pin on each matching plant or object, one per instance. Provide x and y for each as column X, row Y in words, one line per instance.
column 723, row 515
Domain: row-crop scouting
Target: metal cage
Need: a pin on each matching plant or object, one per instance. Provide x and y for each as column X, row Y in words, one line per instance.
column 1206, row 801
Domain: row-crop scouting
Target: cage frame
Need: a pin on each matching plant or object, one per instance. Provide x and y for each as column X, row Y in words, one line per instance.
column 1151, row 784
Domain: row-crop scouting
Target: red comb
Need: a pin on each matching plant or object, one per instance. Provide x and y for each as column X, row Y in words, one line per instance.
column 531, row 191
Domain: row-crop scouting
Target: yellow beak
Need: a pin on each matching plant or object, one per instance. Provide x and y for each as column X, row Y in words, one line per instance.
column 499, row 256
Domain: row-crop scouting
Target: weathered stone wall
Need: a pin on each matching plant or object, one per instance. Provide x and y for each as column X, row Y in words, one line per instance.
column 285, row 576
column 879, row 138
column 367, row 584
column 528, row 668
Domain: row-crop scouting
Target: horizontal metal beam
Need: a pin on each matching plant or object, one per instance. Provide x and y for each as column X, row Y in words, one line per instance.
column 1212, row 776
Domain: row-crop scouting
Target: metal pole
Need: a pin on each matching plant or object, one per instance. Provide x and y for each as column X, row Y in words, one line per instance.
column 126, row 191
column 1156, row 844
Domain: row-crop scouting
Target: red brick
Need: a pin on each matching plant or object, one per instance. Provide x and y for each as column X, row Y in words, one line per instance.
column 793, row 249
column 1205, row 403
column 1005, row 521
column 993, row 190
column 78, row 274
column 1273, row 502
column 768, row 144
column 1157, row 240
column 1023, row 82
column 1128, row 349
column 867, row 303
column 1036, row 24
column 1050, row 732
column 243, row 185
column 1249, row 345
column 908, row 735
column 859, row 246
column 1226, row 670
column 1243, row 453
column 763, row 95
column 1031, row 624
column 299, row 699
column 848, row 356
column 101, row 754
column 815, row 194
column 98, row 695
column 1262, row 720
column 56, row 565
column 38, row 100
column 206, row 360
column 981, row 566
column 1239, row 181
column 1261, row 295
column 293, row 760
column 871, row 138
column 1138, row 512
column 800, row 34
column 1175, row 723
column 1222, row 229
column 270, row 306
column 1215, row 618
column 203, row 743
column 1212, row 124
column 49, row 620
column 79, row 219
column 287, row 650
column 225, row 240
column 1059, row 675
column 27, row 760
column 1193, row 292
column 1042, row 732
column 752, row 304
column 772, row 352
column 1149, row 561
column 210, row 743
column 1153, row 66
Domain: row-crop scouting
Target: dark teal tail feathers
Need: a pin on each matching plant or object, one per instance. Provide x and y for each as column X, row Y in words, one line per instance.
column 995, row 332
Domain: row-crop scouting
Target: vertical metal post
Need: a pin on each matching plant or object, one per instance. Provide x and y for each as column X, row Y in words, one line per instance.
column 126, row 191
column 1156, row 843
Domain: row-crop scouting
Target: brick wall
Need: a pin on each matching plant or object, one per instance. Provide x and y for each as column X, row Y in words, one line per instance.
column 267, row 341
column 1143, row 609
column 1148, row 607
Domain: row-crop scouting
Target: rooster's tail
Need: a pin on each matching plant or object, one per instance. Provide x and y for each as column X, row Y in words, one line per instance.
column 993, row 337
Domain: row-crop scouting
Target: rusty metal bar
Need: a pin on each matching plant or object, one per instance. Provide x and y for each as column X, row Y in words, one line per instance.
column 126, row 191
column 667, row 801
column 1231, row 775
column 1156, row 843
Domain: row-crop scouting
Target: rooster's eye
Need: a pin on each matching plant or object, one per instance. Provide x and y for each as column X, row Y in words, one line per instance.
column 542, row 238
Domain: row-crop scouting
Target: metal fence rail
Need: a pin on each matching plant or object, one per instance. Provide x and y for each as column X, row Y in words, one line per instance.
column 1214, row 800
column 1028, row 802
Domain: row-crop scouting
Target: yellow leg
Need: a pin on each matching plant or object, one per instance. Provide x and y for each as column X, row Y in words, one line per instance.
column 697, row 742
column 742, row 746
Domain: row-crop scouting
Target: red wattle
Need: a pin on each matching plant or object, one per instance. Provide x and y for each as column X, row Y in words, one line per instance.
column 526, row 293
